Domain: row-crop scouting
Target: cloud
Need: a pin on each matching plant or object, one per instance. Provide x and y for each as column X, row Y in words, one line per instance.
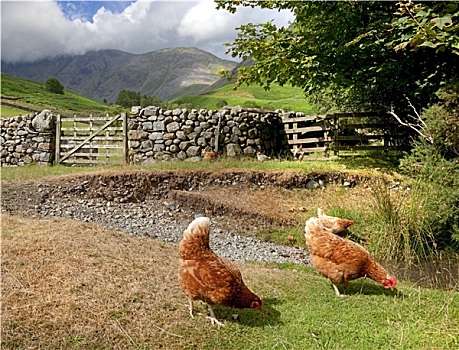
column 33, row 30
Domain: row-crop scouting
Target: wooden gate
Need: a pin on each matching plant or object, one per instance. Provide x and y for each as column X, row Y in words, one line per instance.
column 89, row 141
column 345, row 132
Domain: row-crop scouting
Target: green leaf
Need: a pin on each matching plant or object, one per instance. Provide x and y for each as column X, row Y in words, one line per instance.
column 429, row 44
column 451, row 7
column 442, row 21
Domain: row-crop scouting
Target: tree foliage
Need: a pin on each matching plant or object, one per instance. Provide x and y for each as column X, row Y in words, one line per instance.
column 434, row 26
column 365, row 55
column 53, row 85
column 128, row 99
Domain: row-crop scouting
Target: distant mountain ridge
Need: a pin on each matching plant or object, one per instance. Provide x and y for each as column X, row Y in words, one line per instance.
column 101, row 75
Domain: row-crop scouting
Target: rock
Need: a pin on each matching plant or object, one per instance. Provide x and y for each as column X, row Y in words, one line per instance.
column 44, row 121
column 233, row 150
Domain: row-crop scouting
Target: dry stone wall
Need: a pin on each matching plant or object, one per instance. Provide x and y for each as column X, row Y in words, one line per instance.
column 28, row 139
column 156, row 134
column 161, row 135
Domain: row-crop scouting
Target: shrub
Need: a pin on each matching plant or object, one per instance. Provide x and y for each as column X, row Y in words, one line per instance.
column 434, row 165
column 53, row 85
column 221, row 103
column 251, row 104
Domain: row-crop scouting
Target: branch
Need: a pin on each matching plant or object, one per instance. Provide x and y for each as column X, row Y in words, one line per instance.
column 420, row 129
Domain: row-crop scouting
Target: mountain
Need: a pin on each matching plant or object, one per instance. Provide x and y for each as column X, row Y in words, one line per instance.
column 224, row 81
column 101, row 75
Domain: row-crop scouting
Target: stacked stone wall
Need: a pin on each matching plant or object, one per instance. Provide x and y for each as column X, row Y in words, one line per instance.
column 28, row 139
column 157, row 135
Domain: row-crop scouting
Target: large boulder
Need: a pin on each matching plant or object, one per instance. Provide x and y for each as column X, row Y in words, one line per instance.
column 44, row 121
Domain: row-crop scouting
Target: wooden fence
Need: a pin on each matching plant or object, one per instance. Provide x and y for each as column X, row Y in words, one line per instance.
column 91, row 140
column 345, row 132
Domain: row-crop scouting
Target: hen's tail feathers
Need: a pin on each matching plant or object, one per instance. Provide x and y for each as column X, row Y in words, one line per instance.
column 199, row 227
column 320, row 212
column 314, row 224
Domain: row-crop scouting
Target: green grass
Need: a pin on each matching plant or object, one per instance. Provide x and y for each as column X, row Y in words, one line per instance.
column 31, row 94
column 363, row 167
column 6, row 111
column 302, row 312
column 286, row 98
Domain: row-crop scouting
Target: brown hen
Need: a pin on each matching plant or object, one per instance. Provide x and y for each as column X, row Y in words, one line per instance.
column 340, row 259
column 205, row 276
column 332, row 223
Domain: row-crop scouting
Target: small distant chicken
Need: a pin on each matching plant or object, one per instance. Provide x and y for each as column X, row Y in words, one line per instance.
column 205, row 276
column 334, row 224
column 262, row 157
column 340, row 259
column 298, row 153
column 211, row 155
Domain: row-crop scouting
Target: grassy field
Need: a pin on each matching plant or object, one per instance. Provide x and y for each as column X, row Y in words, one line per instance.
column 33, row 95
column 286, row 98
column 95, row 288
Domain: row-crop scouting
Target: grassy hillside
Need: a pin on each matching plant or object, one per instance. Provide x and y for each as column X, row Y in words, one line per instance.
column 21, row 95
column 286, row 98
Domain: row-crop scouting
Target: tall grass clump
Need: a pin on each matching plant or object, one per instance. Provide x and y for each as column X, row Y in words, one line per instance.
column 404, row 230
column 425, row 220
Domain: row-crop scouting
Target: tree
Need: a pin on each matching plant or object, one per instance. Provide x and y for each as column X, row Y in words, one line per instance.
column 128, row 98
column 348, row 51
column 53, row 85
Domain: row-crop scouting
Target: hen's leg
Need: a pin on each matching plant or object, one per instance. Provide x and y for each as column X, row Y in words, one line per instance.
column 212, row 317
column 191, row 307
column 338, row 294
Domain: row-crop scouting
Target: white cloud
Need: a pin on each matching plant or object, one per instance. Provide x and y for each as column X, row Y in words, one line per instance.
column 32, row 30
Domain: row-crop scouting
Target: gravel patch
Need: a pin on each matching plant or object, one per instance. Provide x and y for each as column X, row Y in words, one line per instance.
column 161, row 220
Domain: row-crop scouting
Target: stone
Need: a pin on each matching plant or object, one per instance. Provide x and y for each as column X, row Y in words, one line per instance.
column 156, row 136
column 135, row 110
column 147, row 126
column 249, row 151
column 184, row 145
column 193, row 151
column 201, row 141
column 311, row 184
column 181, row 155
column 187, row 128
column 233, row 150
column 174, row 149
column 137, row 135
column 150, row 111
column 173, row 127
column 146, row 146
column 181, row 135
column 159, row 126
column 44, row 121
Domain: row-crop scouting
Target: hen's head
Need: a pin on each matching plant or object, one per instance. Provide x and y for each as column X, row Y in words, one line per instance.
column 390, row 282
column 257, row 303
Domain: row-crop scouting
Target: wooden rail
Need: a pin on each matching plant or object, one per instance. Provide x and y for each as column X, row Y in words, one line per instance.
column 344, row 131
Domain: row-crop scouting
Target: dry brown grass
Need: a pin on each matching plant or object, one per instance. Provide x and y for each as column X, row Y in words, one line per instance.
column 67, row 283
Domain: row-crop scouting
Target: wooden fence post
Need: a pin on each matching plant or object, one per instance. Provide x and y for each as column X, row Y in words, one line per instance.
column 125, row 139
column 335, row 135
column 58, row 140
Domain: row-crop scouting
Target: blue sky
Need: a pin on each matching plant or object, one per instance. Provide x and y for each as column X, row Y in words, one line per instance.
column 37, row 29
column 85, row 10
